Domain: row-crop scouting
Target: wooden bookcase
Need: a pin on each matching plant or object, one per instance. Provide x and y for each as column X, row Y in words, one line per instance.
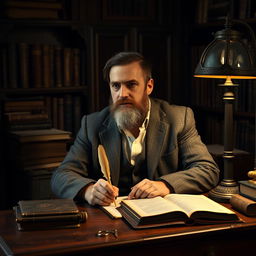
column 206, row 95
column 42, row 60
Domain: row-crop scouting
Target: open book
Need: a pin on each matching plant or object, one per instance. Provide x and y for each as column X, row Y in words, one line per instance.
column 175, row 209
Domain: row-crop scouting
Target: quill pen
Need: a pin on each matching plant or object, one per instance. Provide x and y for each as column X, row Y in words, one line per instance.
column 104, row 164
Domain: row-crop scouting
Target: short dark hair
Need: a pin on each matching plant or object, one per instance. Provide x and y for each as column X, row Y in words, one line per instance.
column 123, row 58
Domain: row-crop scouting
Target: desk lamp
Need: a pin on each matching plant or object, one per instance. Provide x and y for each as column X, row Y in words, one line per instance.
column 228, row 57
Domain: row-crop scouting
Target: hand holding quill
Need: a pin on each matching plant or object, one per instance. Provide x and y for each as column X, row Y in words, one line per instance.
column 104, row 164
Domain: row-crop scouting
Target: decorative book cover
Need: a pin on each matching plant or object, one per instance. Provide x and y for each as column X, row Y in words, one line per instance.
column 48, row 214
column 47, row 207
column 247, row 189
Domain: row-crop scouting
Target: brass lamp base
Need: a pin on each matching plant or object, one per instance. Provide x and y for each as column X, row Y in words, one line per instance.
column 223, row 192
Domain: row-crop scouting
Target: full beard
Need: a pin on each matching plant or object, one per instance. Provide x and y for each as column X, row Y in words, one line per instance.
column 128, row 117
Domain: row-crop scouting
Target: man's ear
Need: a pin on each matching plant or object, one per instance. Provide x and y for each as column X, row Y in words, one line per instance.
column 150, row 86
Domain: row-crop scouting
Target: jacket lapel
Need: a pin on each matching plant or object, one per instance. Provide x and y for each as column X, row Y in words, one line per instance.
column 111, row 141
column 156, row 132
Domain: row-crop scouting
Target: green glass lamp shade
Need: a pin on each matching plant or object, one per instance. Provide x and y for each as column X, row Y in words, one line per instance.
column 227, row 55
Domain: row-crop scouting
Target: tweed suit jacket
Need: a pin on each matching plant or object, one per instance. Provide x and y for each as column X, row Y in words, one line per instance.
column 174, row 152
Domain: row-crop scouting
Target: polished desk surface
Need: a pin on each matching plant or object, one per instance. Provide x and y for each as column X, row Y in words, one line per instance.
column 220, row 239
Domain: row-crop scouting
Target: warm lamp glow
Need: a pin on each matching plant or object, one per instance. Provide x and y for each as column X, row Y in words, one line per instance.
column 228, row 57
column 224, row 77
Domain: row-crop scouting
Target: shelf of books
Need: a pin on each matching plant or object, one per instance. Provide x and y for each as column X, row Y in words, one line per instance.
column 42, row 90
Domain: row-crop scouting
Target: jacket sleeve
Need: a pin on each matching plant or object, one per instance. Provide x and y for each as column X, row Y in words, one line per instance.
column 72, row 175
column 198, row 172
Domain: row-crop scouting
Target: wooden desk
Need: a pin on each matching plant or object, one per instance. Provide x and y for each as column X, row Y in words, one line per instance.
column 235, row 239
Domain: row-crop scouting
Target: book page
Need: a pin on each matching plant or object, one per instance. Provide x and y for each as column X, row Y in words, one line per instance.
column 111, row 209
column 152, row 206
column 193, row 203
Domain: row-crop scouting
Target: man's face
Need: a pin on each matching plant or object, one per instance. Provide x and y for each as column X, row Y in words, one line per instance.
column 129, row 88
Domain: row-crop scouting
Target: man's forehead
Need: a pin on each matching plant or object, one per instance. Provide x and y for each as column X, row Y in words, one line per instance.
column 129, row 71
column 125, row 81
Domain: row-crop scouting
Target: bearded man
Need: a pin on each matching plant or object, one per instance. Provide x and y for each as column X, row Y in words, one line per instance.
column 153, row 147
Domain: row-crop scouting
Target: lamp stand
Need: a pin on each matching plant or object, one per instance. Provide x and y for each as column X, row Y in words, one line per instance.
column 228, row 186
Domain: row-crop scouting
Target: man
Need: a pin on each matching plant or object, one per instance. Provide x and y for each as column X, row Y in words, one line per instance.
column 153, row 148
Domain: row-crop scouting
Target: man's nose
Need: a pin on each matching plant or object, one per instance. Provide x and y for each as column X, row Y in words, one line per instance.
column 123, row 92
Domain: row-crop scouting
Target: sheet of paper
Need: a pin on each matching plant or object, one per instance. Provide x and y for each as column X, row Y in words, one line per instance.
column 111, row 209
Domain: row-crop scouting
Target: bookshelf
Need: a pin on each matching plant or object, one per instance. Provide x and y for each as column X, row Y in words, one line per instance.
column 43, row 85
column 39, row 59
column 206, row 98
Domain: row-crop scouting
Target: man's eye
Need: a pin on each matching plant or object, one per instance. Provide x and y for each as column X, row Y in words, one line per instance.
column 131, row 84
column 115, row 86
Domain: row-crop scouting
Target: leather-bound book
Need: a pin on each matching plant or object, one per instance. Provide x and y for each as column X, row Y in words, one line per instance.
column 46, row 66
column 76, row 66
column 48, row 214
column 24, row 64
column 67, row 60
column 36, row 54
column 12, row 65
column 58, row 66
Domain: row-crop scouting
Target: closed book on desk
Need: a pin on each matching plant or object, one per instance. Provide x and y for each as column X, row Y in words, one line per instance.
column 175, row 209
column 247, row 189
column 48, row 214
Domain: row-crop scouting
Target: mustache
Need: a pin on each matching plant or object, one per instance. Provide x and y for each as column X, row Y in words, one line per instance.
column 120, row 102
column 123, row 102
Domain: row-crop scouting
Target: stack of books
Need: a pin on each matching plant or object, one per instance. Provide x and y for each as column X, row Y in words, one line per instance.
column 26, row 114
column 34, row 154
column 48, row 214
column 245, row 201
column 31, row 9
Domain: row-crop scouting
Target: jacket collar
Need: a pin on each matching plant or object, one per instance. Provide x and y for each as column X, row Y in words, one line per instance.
column 110, row 139
column 156, row 135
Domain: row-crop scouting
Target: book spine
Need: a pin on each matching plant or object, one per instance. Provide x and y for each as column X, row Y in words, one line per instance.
column 29, row 126
column 76, row 66
column 24, row 65
column 36, row 68
column 247, row 196
column 23, row 105
column 67, row 218
column 67, row 67
column 58, row 66
column 52, row 66
column 83, row 67
column 26, row 117
column 46, row 66
column 12, row 65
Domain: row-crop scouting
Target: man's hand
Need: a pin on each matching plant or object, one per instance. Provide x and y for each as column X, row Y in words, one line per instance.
column 148, row 189
column 101, row 193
